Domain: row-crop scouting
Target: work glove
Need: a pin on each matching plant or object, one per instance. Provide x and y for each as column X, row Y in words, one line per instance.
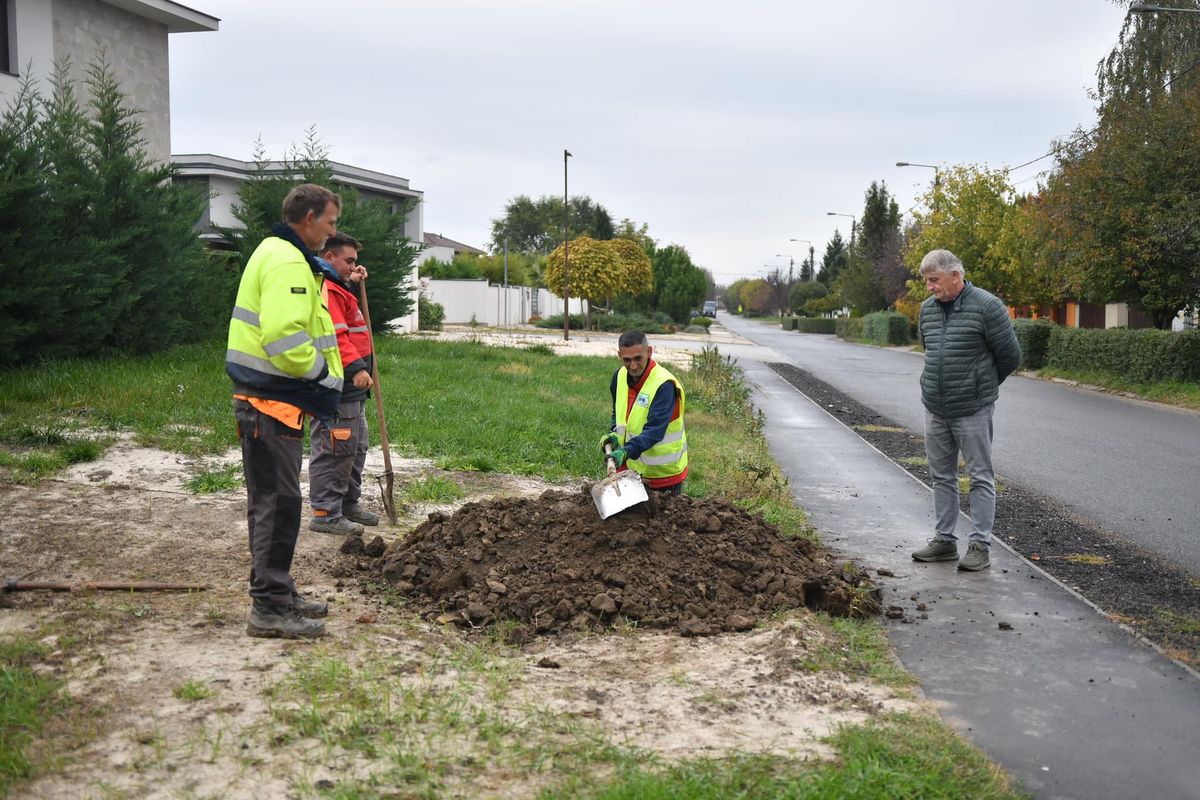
column 610, row 439
column 618, row 457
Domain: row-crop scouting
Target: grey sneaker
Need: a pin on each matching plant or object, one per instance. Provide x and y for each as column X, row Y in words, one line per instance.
column 356, row 513
column 937, row 550
column 976, row 557
column 310, row 609
column 273, row 622
column 341, row 526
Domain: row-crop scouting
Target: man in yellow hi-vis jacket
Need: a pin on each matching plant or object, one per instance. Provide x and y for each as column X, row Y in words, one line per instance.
column 283, row 358
column 647, row 422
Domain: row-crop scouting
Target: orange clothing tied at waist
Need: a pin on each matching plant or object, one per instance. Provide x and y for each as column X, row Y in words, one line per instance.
column 288, row 414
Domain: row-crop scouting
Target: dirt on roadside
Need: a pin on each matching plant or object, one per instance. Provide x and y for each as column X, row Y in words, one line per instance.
column 1159, row 600
column 697, row 567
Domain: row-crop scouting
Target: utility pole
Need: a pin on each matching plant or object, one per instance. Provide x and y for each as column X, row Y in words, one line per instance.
column 566, row 253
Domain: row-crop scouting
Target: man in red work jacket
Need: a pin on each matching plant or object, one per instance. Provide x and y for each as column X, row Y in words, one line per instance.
column 339, row 449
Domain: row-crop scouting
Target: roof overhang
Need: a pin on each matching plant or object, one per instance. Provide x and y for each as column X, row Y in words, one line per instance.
column 178, row 18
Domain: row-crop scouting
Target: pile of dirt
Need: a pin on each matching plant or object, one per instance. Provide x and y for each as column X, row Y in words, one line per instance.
column 550, row 563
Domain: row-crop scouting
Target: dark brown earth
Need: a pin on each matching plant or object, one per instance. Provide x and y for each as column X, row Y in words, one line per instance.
column 1157, row 599
column 550, row 564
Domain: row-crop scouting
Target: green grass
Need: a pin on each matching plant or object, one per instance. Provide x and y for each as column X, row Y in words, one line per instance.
column 521, row 410
column 219, row 480
column 193, row 691
column 901, row 756
column 858, row 648
column 27, row 700
column 433, row 489
column 1176, row 393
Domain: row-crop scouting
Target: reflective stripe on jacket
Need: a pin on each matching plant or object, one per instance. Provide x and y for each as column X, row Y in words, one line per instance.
column 668, row 457
column 282, row 345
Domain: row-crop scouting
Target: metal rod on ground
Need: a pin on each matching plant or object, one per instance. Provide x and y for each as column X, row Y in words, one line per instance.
column 387, row 483
column 13, row 585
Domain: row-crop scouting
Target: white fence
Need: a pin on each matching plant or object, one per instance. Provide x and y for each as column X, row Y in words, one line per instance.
column 475, row 300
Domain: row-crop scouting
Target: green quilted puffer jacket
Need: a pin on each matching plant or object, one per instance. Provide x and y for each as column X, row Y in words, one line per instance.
column 968, row 352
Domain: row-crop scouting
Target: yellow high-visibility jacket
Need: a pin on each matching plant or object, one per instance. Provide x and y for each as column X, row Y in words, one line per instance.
column 668, row 458
column 282, row 345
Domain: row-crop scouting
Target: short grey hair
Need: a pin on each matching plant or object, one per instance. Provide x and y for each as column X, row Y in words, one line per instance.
column 942, row 261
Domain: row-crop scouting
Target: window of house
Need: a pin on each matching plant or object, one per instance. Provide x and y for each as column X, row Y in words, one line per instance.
column 6, row 34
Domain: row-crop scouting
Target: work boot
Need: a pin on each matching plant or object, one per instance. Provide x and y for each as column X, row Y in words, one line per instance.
column 310, row 609
column 938, row 549
column 356, row 513
column 341, row 526
column 275, row 622
column 976, row 557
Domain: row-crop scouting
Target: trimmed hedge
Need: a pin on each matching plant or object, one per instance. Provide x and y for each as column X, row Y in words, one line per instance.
column 788, row 323
column 1034, row 337
column 1139, row 356
column 849, row 327
column 886, row 327
column 815, row 325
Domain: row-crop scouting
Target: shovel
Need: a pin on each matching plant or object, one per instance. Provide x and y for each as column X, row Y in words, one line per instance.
column 619, row 490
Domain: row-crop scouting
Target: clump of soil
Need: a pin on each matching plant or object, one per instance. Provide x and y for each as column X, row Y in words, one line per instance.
column 695, row 566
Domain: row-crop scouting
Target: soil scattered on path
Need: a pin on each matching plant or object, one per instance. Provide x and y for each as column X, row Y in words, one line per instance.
column 1159, row 600
column 698, row 567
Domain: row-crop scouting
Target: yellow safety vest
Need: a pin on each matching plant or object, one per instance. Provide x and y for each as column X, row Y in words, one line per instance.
column 282, row 345
column 667, row 458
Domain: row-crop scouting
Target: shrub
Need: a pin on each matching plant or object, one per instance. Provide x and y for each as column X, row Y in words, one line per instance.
column 556, row 322
column 886, row 327
column 430, row 315
column 1033, row 335
column 849, row 327
column 815, row 325
column 706, row 322
column 696, row 329
column 1139, row 356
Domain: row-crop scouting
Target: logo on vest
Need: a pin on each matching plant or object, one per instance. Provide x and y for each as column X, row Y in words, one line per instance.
column 642, row 399
column 299, row 290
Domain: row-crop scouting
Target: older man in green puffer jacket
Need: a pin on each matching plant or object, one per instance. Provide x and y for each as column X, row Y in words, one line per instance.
column 970, row 348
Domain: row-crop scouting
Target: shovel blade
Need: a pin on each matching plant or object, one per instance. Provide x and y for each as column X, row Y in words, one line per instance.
column 618, row 493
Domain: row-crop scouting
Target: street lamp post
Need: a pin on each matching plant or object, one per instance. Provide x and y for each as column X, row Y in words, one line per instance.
column 812, row 262
column 937, row 178
column 853, row 223
column 566, row 253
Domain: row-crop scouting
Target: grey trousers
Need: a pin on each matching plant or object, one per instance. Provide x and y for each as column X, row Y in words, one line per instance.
column 336, row 460
column 271, row 457
column 944, row 440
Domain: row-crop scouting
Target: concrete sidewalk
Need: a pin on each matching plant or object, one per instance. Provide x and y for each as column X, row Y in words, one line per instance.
column 1068, row 702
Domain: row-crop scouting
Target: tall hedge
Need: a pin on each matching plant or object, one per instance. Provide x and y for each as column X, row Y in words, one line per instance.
column 886, row 327
column 1034, row 337
column 1139, row 356
column 96, row 241
column 815, row 325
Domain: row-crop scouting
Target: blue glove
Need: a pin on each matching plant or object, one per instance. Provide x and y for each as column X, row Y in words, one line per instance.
column 610, row 439
column 618, row 457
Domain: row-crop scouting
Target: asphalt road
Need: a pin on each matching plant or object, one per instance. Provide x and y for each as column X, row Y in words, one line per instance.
column 1132, row 467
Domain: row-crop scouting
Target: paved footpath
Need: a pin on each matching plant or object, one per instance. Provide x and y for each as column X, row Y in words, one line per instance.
column 1071, row 704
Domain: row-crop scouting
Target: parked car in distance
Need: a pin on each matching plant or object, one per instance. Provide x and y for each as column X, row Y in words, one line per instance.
column 710, row 309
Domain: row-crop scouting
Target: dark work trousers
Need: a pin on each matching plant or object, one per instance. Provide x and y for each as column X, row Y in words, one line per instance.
column 271, row 457
column 336, row 460
column 674, row 490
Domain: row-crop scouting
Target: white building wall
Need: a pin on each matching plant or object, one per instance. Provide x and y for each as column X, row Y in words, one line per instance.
column 1116, row 315
column 467, row 299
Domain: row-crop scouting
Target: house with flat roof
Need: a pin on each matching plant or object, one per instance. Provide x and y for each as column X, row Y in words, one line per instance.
column 223, row 176
column 131, row 34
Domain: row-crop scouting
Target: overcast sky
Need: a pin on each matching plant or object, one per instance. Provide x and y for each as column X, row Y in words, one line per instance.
column 727, row 127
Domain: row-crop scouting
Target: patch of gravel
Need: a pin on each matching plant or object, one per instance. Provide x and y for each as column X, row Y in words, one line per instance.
column 1158, row 599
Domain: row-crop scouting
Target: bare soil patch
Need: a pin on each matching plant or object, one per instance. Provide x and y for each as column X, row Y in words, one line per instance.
column 696, row 567
column 124, row 656
column 1159, row 600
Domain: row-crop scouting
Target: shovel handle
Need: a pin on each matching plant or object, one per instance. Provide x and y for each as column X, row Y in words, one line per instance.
column 609, row 460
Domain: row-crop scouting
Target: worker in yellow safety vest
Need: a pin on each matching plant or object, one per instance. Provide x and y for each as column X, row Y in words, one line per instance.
column 282, row 355
column 647, row 433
